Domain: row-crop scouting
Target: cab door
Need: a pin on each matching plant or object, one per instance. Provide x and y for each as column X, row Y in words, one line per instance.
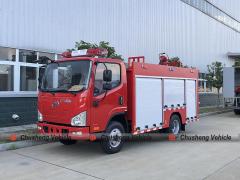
column 106, row 103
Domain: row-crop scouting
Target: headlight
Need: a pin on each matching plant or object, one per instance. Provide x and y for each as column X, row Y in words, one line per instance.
column 40, row 117
column 80, row 119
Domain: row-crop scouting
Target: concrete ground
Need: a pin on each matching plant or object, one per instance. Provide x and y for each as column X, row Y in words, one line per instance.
column 137, row 160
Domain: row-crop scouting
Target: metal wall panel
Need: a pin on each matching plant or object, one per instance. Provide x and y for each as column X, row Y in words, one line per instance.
column 24, row 107
column 229, row 82
column 134, row 27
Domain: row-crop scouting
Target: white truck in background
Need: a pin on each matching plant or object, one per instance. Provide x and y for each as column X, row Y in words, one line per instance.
column 231, row 87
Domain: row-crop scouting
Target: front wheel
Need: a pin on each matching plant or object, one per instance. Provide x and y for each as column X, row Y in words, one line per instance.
column 174, row 125
column 112, row 140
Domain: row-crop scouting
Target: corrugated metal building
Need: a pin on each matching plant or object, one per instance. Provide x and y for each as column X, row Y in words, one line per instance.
column 197, row 31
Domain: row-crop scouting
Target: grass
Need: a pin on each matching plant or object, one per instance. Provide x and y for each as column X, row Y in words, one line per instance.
column 6, row 136
column 28, row 132
column 34, row 131
column 12, row 147
column 3, row 141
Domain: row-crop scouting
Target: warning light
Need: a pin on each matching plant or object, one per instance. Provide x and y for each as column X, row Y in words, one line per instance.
column 97, row 52
column 66, row 54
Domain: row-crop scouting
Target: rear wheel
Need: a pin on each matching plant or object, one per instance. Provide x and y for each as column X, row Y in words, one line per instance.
column 237, row 111
column 174, row 125
column 67, row 142
column 112, row 140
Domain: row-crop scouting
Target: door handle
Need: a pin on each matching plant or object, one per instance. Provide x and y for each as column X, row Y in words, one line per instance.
column 95, row 103
column 120, row 100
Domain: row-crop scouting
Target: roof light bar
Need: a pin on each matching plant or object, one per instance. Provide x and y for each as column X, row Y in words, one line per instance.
column 86, row 52
column 82, row 52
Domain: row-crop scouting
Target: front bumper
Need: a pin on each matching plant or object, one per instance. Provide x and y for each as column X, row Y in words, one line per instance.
column 74, row 133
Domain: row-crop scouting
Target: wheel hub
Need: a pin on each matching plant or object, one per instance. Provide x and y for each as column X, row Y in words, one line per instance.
column 115, row 138
column 175, row 127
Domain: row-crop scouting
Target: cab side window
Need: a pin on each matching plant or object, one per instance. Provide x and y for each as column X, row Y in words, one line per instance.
column 116, row 77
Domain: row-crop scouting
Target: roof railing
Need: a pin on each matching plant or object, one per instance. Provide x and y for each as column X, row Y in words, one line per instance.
column 139, row 59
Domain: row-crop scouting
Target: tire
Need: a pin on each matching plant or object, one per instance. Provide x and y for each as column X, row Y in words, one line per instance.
column 237, row 111
column 183, row 128
column 108, row 143
column 174, row 125
column 67, row 142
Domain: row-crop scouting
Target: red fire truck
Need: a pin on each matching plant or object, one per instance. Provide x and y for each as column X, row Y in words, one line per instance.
column 84, row 95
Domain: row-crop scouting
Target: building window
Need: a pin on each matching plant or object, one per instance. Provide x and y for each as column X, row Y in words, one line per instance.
column 6, row 78
column 7, row 54
column 44, row 57
column 214, row 12
column 27, row 56
column 19, row 70
column 59, row 56
column 28, row 78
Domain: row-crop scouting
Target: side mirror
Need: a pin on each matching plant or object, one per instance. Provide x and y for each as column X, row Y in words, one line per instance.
column 41, row 73
column 107, row 86
column 107, row 75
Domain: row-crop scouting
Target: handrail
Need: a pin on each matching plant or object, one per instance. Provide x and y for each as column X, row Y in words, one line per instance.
column 140, row 59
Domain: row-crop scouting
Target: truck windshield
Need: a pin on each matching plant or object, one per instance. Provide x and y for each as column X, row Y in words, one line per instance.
column 71, row 76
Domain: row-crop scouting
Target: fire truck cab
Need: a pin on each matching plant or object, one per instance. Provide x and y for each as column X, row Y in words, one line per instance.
column 83, row 96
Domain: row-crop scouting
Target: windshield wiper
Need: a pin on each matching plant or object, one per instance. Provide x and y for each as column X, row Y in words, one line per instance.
column 66, row 91
column 75, row 92
column 53, row 91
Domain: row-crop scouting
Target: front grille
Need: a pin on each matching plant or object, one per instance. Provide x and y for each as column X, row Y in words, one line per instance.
column 58, row 124
column 45, row 128
column 65, row 131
